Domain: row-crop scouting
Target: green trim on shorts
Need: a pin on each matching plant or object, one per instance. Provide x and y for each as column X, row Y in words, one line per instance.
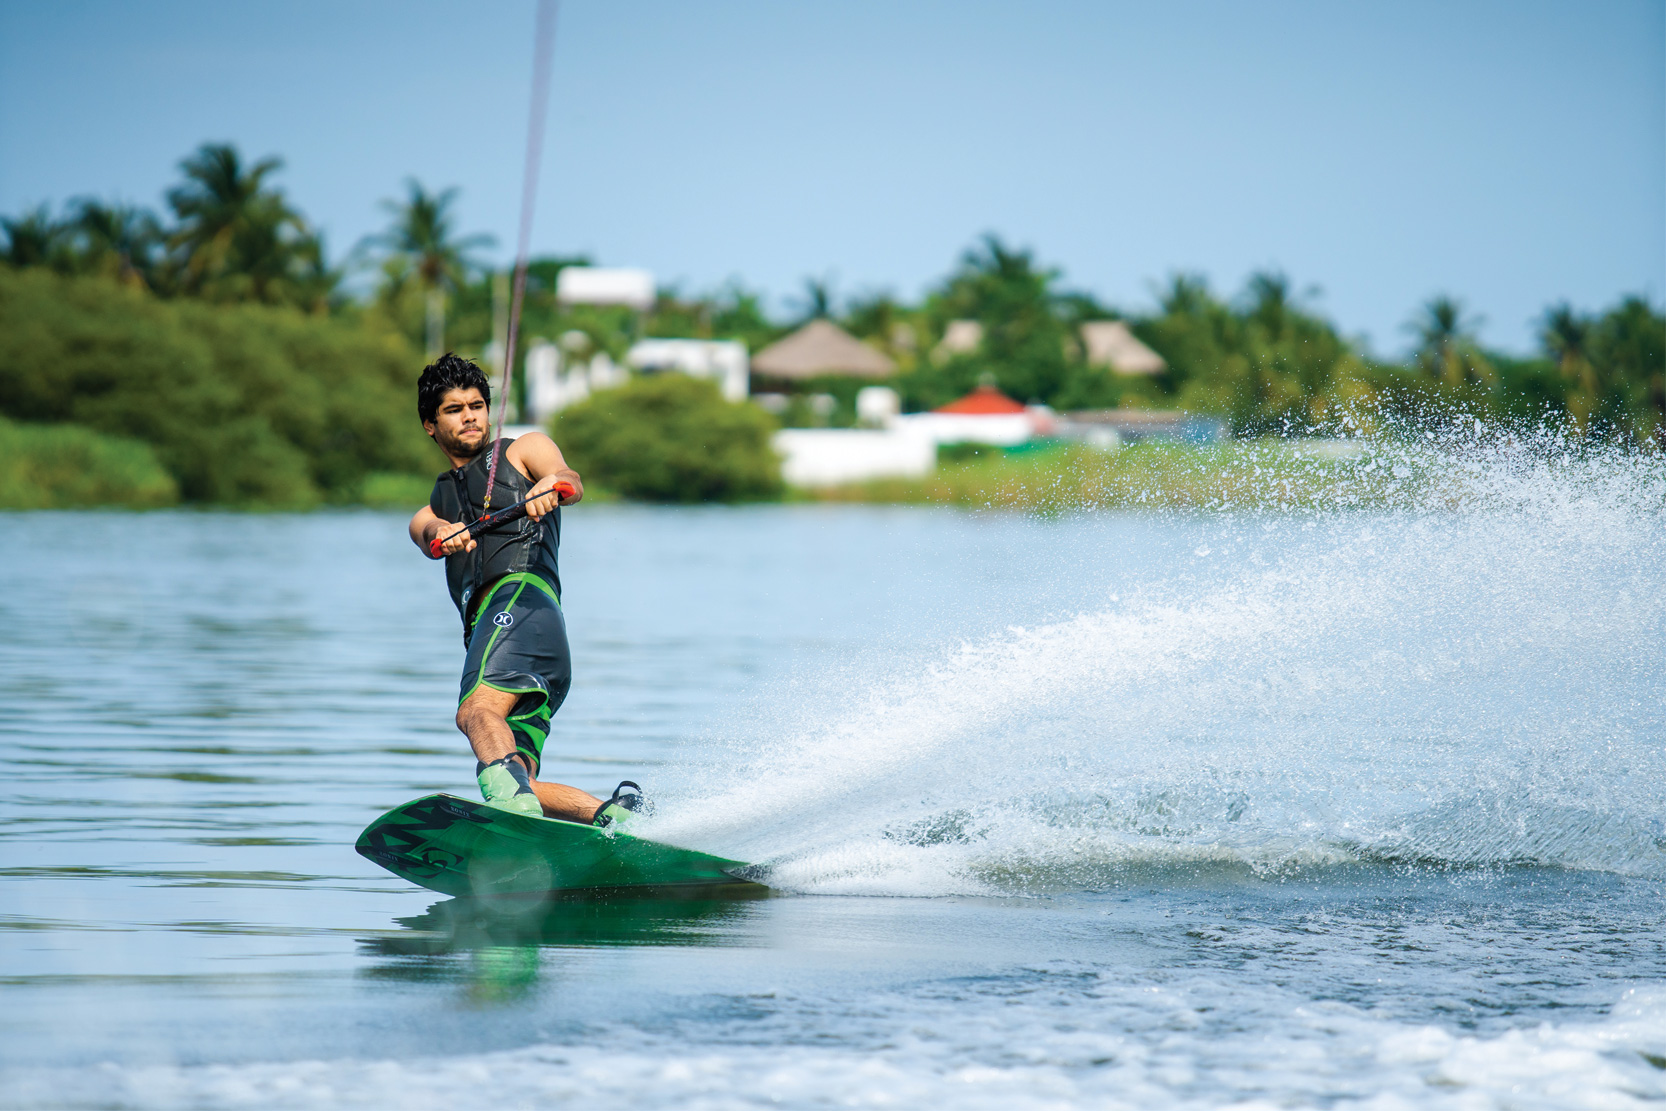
column 522, row 578
column 480, row 676
column 525, row 724
column 531, row 727
column 517, row 577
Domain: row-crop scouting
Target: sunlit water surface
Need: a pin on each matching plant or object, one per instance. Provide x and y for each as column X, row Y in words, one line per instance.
column 1284, row 810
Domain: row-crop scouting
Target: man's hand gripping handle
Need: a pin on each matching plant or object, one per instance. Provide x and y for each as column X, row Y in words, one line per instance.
column 436, row 546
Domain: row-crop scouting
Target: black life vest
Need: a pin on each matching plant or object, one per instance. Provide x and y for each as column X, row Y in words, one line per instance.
column 525, row 545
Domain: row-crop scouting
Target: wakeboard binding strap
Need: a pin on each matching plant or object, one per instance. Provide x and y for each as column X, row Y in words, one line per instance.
column 493, row 785
column 620, row 804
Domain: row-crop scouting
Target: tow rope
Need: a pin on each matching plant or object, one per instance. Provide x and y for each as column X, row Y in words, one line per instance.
column 543, row 45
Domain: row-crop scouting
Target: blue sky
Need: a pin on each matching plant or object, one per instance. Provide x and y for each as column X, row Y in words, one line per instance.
column 1511, row 154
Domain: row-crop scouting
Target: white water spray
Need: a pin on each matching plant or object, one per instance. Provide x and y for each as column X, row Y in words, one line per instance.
column 1469, row 672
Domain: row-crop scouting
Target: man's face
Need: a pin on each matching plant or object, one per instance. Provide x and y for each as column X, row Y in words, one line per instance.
column 459, row 425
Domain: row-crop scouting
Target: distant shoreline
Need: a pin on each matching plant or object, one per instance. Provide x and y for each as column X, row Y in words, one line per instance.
column 1246, row 475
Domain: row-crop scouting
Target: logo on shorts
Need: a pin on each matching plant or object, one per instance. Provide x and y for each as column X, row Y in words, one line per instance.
column 504, row 620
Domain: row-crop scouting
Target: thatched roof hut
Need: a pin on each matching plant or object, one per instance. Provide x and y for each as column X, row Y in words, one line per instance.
column 1109, row 343
column 962, row 337
column 821, row 347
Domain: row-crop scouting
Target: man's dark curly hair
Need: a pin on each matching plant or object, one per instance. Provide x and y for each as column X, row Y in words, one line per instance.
column 448, row 372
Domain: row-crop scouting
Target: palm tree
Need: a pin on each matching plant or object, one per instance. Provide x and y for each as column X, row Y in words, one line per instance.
column 236, row 236
column 1185, row 295
column 1446, row 343
column 817, row 302
column 423, row 249
column 1566, row 336
column 873, row 316
column 33, row 239
column 314, row 283
column 1270, row 301
column 117, row 239
column 1024, row 339
column 1628, row 347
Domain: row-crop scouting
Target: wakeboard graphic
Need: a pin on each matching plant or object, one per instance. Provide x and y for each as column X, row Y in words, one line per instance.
column 459, row 847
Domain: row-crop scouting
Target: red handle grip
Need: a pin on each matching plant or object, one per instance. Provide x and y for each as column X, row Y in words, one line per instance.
column 436, row 546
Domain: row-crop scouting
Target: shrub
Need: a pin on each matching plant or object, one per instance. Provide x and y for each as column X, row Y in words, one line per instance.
column 44, row 466
column 240, row 403
column 389, row 490
column 671, row 438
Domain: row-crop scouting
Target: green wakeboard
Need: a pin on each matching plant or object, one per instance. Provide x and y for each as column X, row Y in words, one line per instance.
column 463, row 848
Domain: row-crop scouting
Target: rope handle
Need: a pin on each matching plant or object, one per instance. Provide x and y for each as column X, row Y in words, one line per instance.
column 436, row 546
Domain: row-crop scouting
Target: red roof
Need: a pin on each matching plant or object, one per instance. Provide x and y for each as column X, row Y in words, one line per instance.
column 985, row 401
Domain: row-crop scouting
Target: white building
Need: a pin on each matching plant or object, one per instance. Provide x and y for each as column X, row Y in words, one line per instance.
column 597, row 285
column 834, row 456
column 722, row 361
column 984, row 416
column 877, row 406
column 555, row 381
column 545, row 392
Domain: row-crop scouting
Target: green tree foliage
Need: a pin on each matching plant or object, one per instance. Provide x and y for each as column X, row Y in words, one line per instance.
column 1024, row 337
column 237, row 238
column 116, row 240
column 241, row 404
column 36, row 239
column 737, row 314
column 425, row 255
column 1268, row 363
column 1029, row 347
column 878, row 317
column 55, row 466
column 1602, row 373
column 670, row 438
column 1566, row 336
column 1612, row 367
column 816, row 302
column 476, row 306
column 732, row 313
column 174, row 306
column 1446, row 348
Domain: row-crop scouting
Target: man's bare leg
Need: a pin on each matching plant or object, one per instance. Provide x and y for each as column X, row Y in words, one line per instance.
column 483, row 718
column 569, row 803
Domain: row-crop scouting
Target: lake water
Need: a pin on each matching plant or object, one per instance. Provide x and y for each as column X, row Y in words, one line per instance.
column 1324, row 809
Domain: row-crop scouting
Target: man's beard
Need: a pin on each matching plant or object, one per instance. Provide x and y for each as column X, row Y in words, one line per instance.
column 457, row 446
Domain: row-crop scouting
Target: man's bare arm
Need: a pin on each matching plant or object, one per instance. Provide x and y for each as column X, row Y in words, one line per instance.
column 426, row 525
column 536, row 456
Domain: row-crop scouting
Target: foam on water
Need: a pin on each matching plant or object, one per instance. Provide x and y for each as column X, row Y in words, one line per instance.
column 1471, row 672
column 1147, row 1049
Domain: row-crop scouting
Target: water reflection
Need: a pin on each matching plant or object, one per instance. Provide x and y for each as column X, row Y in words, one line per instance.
column 715, row 916
column 492, row 947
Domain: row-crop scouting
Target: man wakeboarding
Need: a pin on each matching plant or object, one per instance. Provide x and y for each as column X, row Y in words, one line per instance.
column 507, row 588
